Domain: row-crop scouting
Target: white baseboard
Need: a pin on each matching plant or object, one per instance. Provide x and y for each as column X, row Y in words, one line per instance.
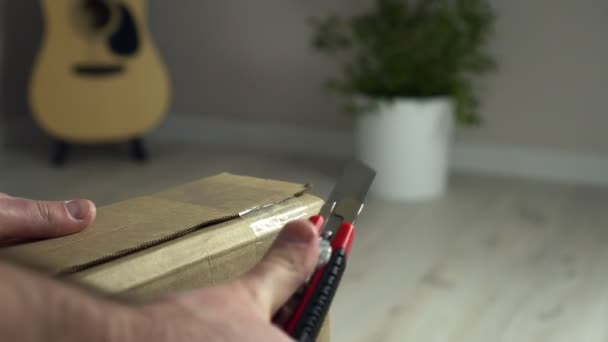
column 266, row 136
column 567, row 167
column 487, row 159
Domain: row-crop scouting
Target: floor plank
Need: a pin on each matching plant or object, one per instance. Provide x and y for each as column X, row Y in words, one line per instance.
column 497, row 259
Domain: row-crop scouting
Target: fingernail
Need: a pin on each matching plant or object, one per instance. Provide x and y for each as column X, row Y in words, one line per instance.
column 78, row 209
column 297, row 233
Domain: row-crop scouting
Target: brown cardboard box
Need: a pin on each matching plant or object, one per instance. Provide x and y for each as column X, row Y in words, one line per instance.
column 196, row 235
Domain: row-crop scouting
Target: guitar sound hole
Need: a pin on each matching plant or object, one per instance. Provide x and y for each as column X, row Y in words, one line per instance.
column 125, row 41
column 99, row 13
column 98, row 70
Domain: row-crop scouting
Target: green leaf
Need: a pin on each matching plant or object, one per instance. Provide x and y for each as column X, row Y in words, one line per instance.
column 415, row 48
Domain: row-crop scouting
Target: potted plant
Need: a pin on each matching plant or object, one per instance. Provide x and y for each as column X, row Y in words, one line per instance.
column 407, row 74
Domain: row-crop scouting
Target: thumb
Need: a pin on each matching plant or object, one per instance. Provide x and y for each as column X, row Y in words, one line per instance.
column 22, row 218
column 291, row 259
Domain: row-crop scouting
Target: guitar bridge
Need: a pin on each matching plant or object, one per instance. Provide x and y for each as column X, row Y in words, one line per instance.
column 99, row 70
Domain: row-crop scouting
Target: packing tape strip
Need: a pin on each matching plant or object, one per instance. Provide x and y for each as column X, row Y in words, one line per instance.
column 271, row 219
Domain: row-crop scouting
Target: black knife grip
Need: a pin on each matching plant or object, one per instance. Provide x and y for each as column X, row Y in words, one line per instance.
column 308, row 327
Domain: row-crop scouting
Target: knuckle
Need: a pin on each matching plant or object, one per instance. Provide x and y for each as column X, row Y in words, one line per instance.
column 285, row 263
column 44, row 212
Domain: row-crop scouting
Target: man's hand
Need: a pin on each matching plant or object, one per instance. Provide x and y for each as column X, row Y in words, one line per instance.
column 242, row 310
column 237, row 311
column 22, row 218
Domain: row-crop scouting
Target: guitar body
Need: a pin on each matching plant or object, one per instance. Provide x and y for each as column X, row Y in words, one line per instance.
column 98, row 77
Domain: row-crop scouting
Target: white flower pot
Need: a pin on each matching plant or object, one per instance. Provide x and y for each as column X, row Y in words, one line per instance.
column 407, row 141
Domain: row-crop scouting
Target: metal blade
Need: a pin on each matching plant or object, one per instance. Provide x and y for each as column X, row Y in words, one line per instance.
column 346, row 199
column 354, row 183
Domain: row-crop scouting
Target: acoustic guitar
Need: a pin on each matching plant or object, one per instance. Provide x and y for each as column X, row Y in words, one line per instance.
column 98, row 76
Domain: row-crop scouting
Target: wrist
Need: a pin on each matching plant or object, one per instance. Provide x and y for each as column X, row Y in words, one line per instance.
column 37, row 308
column 125, row 323
column 75, row 315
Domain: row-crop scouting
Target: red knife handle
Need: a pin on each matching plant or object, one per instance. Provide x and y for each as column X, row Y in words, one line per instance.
column 312, row 309
column 307, row 321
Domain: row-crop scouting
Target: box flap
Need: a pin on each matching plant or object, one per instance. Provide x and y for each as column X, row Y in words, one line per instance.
column 203, row 258
column 144, row 222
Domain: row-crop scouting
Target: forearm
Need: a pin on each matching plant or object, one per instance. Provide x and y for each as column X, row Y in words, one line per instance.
column 36, row 308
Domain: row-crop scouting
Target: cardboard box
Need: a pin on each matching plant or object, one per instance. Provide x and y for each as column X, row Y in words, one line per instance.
column 191, row 236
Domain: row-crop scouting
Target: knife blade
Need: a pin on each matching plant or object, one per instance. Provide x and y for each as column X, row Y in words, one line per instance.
column 347, row 197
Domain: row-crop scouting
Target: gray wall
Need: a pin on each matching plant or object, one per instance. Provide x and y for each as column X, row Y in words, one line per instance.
column 553, row 84
column 251, row 60
column 20, row 31
column 247, row 59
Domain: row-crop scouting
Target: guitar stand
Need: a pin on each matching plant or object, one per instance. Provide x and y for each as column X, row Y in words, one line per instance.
column 60, row 153
column 137, row 151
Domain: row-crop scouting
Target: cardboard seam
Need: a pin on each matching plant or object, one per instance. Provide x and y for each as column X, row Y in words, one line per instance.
column 258, row 239
column 128, row 251
column 305, row 188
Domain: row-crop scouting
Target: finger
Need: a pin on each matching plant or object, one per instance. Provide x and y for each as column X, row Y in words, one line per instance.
column 291, row 259
column 27, row 219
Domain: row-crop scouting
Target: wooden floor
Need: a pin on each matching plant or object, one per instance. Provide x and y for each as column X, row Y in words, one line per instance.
column 495, row 260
